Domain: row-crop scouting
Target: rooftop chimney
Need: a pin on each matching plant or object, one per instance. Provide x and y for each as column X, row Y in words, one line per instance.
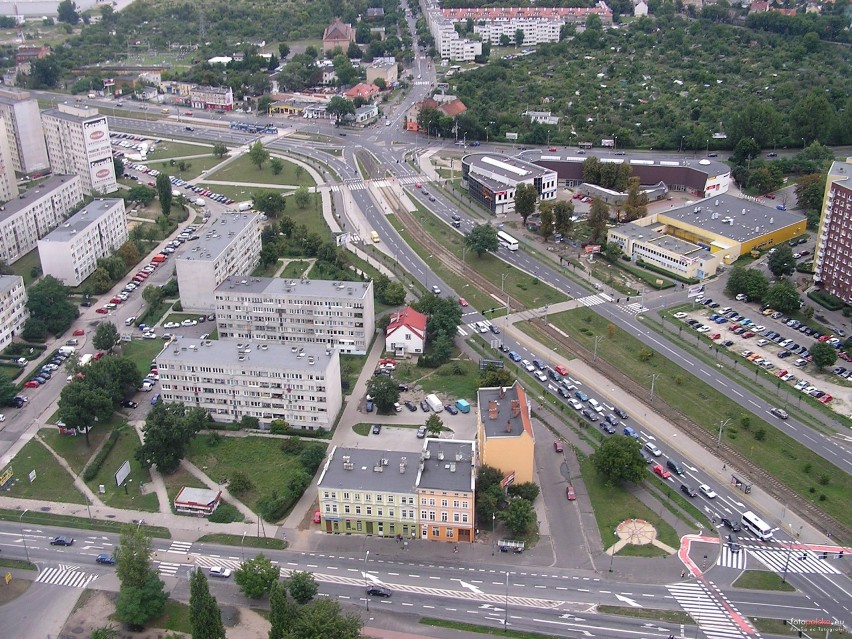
column 516, row 407
column 493, row 409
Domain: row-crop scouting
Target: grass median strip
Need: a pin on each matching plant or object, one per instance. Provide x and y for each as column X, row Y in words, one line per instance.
column 762, row 580
column 485, row 630
column 80, row 523
column 669, row 616
column 268, row 543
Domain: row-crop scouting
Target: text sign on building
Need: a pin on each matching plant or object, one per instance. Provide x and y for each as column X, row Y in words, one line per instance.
column 508, row 480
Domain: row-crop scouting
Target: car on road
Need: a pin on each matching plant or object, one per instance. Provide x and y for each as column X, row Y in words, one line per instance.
column 540, row 376
column 733, row 543
column 102, row 310
column 377, row 428
column 105, row 558
column 620, row 413
column 78, row 332
column 779, row 413
column 609, row 429
column 592, row 417
column 463, row 302
column 569, row 493
column 652, row 448
column 31, row 384
column 557, row 446
column 527, row 365
column 219, row 571
column 514, row 356
column 561, row 370
column 581, row 396
column 575, row 404
column 728, row 523
column 436, row 290
column 129, row 404
column 688, row 491
column 62, row 541
column 662, row 472
column 378, row 591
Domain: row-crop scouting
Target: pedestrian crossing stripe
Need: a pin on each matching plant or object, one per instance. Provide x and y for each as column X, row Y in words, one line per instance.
column 591, row 300
column 168, row 568
column 711, row 616
column 781, row 560
column 635, row 308
column 730, row 559
column 61, row 577
column 461, row 331
column 180, row 547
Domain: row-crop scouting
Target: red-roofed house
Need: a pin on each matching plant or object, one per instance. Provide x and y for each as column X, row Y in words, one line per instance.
column 406, row 333
column 758, row 7
column 451, row 108
column 337, row 34
column 361, row 90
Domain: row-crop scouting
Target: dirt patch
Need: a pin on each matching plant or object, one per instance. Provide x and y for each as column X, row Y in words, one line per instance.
column 95, row 608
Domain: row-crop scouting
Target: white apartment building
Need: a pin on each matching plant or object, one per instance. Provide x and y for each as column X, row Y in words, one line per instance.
column 230, row 380
column 536, row 31
column 8, row 183
column 13, row 307
column 35, row 213
column 78, row 143
column 70, row 253
column 449, row 44
column 22, row 120
column 339, row 315
column 229, row 246
column 218, row 98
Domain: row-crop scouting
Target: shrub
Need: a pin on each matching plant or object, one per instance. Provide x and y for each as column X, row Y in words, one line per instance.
column 826, row 299
column 94, row 467
column 760, row 434
column 225, row 514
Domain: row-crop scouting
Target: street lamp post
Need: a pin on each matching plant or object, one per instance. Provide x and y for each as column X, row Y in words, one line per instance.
column 21, row 523
column 366, row 585
column 243, row 548
column 680, row 149
column 722, row 425
column 506, row 607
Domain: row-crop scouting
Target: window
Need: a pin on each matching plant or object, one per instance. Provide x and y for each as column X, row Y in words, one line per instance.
column 443, row 503
column 449, row 533
column 436, row 532
column 422, row 514
column 444, row 517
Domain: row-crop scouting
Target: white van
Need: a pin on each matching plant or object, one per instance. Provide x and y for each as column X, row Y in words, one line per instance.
column 67, row 350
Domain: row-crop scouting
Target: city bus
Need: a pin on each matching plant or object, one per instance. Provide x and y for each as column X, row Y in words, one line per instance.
column 755, row 524
column 507, row 241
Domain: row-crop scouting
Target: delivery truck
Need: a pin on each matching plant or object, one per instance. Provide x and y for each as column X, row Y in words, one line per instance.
column 434, row 403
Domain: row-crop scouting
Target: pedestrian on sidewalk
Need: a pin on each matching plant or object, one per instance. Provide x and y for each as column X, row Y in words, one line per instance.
column 455, row 548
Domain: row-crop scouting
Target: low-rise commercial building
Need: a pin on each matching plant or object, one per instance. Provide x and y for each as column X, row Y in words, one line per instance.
column 231, row 380
column 492, row 179
column 13, row 307
column 383, row 68
column 504, row 432
column 197, row 501
column 212, row 98
column 229, row 246
column 70, row 252
column 20, row 113
column 35, row 213
column 833, row 262
column 339, row 315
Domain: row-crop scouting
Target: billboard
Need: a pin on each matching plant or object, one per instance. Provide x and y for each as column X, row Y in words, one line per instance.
column 511, row 136
column 122, row 473
column 593, row 248
column 696, row 290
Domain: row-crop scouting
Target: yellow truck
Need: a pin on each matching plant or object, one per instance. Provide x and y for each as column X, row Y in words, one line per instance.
column 375, row 236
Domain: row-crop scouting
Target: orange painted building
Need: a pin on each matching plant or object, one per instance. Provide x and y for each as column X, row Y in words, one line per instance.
column 445, row 487
column 504, row 432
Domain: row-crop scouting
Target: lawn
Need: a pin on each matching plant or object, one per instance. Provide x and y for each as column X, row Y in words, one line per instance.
column 295, row 268
column 73, row 449
column 175, row 617
column 178, row 480
column 238, row 193
column 350, row 369
column 52, row 483
column 242, row 170
column 260, row 458
column 762, row 580
column 81, row 523
column 24, row 266
column 142, row 351
column 526, row 289
column 799, row 468
column 10, row 370
column 116, row 496
column 195, row 167
column 270, row 543
column 168, row 149
column 458, row 378
column 614, row 504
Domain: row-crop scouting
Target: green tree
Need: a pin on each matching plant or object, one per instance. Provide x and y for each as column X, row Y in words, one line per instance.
column 80, row 406
column 781, row 262
column 746, row 148
column 312, row 458
column 239, row 483
column 204, row 616
column 810, row 190
column 220, row 150
column 48, row 302
column 168, row 431
column 617, row 460
column 263, row 104
column 7, row 390
column 492, row 377
column 519, row 37
column 611, row 251
column 528, row 490
column 270, row 202
column 823, row 354
column 66, row 11
column 164, row 192
column 118, row 166
column 384, row 392
column 106, row 335
column 783, row 297
column 434, row 425
column 519, row 516
column 747, row 281
column 339, row 107
column 283, row 614
column 153, row 295
column 256, row 576
column 393, row 294
column 598, row 219
column 283, row 50
column 563, row 211
column 302, row 197
column 141, row 596
column 110, row 631
column 276, row 166
column 98, row 282
column 324, row 618
column 636, row 205
column 547, row 222
column 758, row 121
column 141, row 193
column 302, row 586
column 526, row 196
column 258, row 154
column 482, row 239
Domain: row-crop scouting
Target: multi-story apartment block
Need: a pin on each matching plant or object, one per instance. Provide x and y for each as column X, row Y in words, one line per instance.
column 36, row 212
column 536, row 31
column 833, row 261
column 369, row 492
column 212, row 98
column 448, row 43
column 13, row 307
column 446, row 482
column 22, row 120
column 230, row 246
column 78, row 143
column 8, row 183
column 339, row 315
column 504, row 432
column 232, row 380
column 70, row 253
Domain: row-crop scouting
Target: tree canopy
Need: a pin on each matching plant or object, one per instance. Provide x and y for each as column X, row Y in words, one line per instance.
column 256, row 576
column 482, row 239
column 781, row 262
column 49, row 305
column 168, row 431
column 526, row 197
column 618, row 460
column 141, row 595
column 384, row 392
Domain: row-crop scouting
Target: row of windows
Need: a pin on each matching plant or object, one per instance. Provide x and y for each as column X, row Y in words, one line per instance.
column 444, row 503
column 368, row 497
column 234, row 380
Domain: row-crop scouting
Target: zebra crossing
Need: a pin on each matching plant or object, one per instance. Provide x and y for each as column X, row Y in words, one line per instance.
column 795, row 561
column 180, row 547
column 167, row 569
column 594, row 300
column 635, row 308
column 728, row 559
column 68, row 576
column 357, row 184
column 711, row 616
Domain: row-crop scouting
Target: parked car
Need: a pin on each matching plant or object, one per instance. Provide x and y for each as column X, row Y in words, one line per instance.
column 728, row 523
column 377, row 428
column 129, row 404
column 424, row 406
column 569, row 493
column 411, row 406
column 557, row 446
column 452, row 410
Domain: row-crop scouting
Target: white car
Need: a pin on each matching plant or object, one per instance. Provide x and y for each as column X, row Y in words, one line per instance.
column 540, row 376
column 527, row 365
column 680, row 315
column 149, row 335
column 576, row 405
column 708, row 492
column 2, row 417
column 189, row 322
column 218, row 571
column 762, row 342
column 652, row 448
column 704, row 329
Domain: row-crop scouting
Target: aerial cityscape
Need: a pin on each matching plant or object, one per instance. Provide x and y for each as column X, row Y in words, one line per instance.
column 442, row 319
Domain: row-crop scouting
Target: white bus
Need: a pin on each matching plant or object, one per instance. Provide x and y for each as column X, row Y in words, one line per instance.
column 755, row 524
column 507, row 241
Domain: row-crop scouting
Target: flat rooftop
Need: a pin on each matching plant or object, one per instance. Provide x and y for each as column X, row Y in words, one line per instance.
column 73, row 112
column 254, row 354
column 447, row 465
column 8, row 282
column 26, row 199
column 82, row 219
column 710, row 166
column 676, row 245
column 504, row 412
column 283, row 287
column 510, row 169
column 197, row 496
column 371, row 470
column 732, row 217
column 217, row 237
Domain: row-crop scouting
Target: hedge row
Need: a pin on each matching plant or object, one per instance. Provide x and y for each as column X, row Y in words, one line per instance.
column 827, row 300
column 94, row 467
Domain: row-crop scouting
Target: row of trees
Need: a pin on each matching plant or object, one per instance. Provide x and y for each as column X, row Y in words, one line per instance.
column 51, row 311
column 514, row 508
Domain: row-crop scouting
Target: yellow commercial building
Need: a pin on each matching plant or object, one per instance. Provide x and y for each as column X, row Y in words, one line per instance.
column 504, row 432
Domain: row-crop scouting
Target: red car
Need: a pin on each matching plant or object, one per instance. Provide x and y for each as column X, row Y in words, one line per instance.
column 569, row 493
column 142, row 274
column 561, row 370
column 31, row 384
column 662, row 472
column 317, row 517
column 552, row 148
column 392, row 362
column 102, row 310
column 715, row 336
column 79, row 332
column 98, row 355
column 463, row 302
column 577, row 196
column 769, row 196
column 116, row 300
column 557, row 446
column 825, row 398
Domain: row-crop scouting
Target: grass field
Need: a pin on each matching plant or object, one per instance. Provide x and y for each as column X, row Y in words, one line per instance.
column 614, row 504
column 115, row 496
column 73, row 449
column 82, row 523
column 350, row 369
column 168, row 149
column 142, row 351
column 791, row 463
column 11, row 370
column 242, row 170
column 195, row 167
column 762, row 580
column 295, row 268
column 459, row 379
column 25, row 265
column 258, row 457
column 52, row 483
column 269, row 543
column 175, row 617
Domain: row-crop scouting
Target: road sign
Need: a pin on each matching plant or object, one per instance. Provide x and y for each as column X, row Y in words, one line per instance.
column 696, row 290
column 511, row 136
